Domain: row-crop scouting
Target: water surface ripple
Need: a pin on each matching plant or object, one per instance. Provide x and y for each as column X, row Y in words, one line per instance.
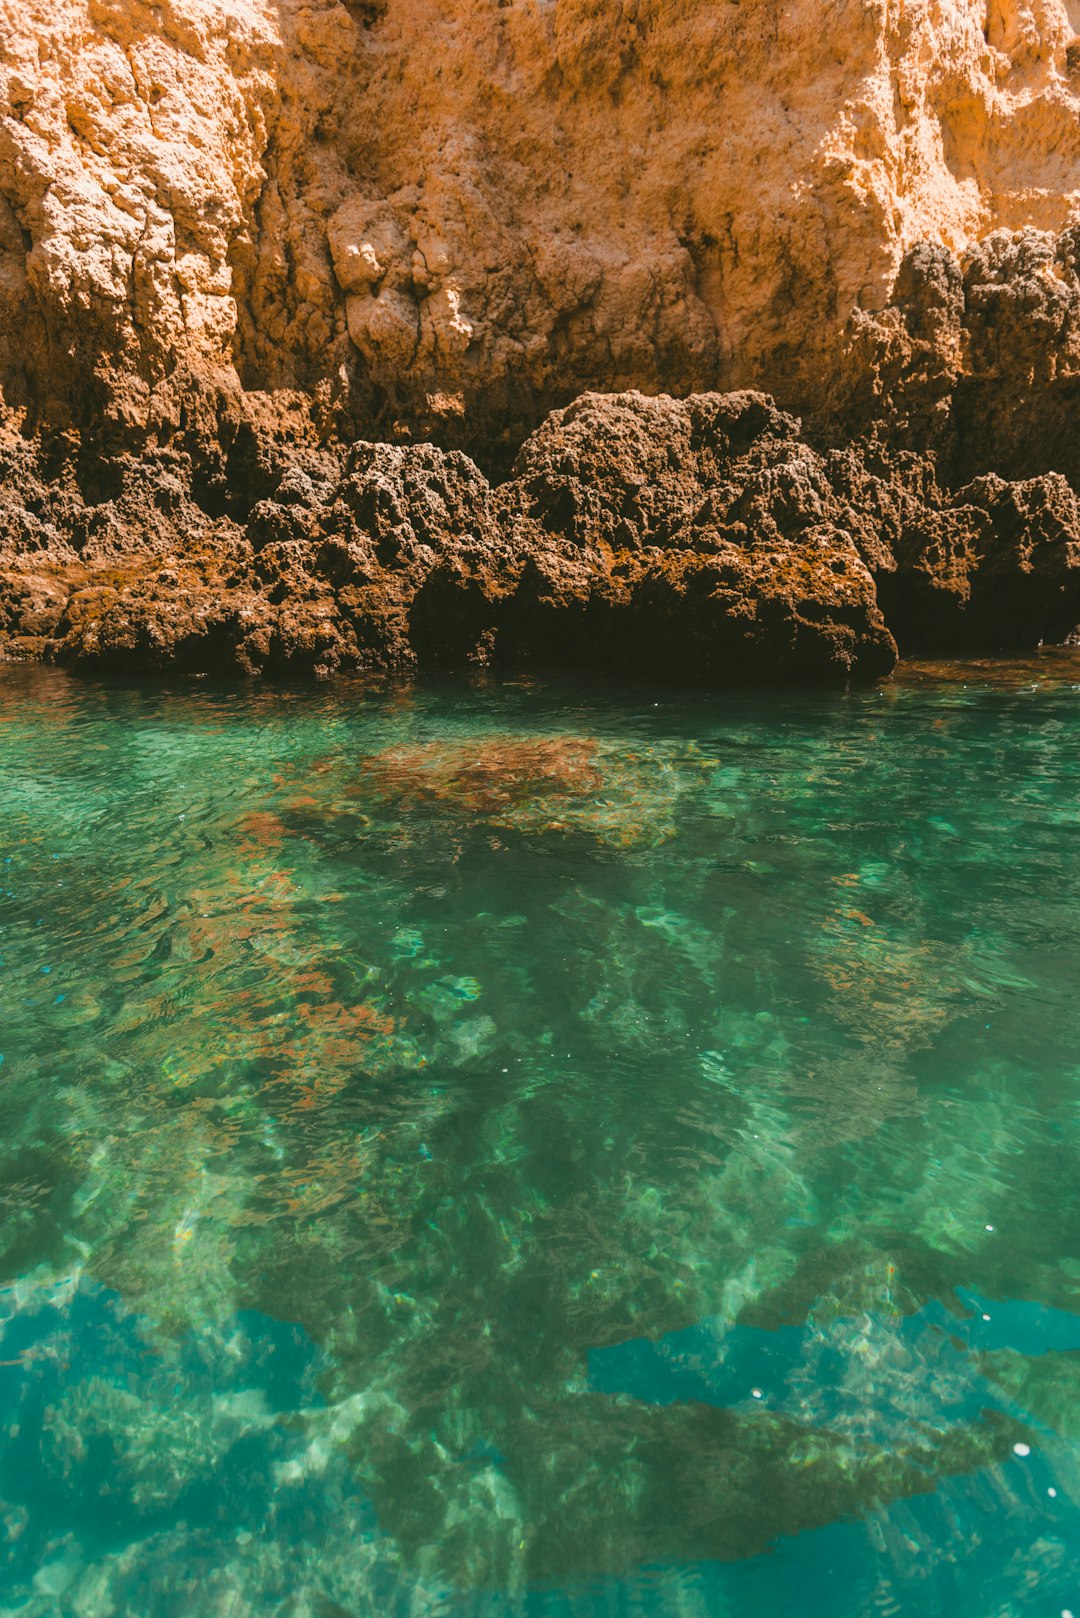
column 530, row 1149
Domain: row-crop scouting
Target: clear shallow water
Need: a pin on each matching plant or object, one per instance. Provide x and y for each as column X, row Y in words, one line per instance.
column 525, row 1150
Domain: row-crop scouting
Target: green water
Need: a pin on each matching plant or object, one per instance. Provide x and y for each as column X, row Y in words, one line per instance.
column 531, row 1149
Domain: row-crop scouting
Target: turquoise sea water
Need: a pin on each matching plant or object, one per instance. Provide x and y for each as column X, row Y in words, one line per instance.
column 497, row 1149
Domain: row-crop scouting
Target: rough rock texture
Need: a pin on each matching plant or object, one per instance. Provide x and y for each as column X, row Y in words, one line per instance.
column 454, row 214
column 239, row 243
column 701, row 538
column 976, row 364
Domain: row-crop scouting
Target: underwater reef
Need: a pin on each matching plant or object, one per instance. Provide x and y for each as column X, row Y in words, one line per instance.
column 464, row 1144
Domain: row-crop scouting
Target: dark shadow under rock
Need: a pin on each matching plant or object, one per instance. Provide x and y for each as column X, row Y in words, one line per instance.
column 702, row 539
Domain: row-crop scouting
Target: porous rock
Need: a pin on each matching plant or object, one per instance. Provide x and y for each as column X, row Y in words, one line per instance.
column 699, row 538
column 449, row 216
column 278, row 279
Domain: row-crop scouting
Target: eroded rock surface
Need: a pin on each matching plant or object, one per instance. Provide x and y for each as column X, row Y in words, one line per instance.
column 698, row 537
column 452, row 215
column 278, row 279
column 701, row 538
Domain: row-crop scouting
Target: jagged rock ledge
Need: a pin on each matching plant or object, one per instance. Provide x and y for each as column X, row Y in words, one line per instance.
column 238, row 242
column 702, row 538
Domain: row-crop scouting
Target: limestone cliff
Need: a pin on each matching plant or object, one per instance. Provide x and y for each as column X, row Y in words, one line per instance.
column 236, row 236
column 455, row 214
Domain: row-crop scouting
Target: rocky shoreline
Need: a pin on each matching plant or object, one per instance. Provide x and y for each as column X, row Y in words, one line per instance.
column 687, row 338
column 707, row 539
column 926, row 505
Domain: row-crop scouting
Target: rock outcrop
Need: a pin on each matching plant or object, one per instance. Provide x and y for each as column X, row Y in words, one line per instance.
column 279, row 277
column 700, row 538
column 450, row 216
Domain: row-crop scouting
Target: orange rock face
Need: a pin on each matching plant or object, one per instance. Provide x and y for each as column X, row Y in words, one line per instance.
column 242, row 243
column 450, row 215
